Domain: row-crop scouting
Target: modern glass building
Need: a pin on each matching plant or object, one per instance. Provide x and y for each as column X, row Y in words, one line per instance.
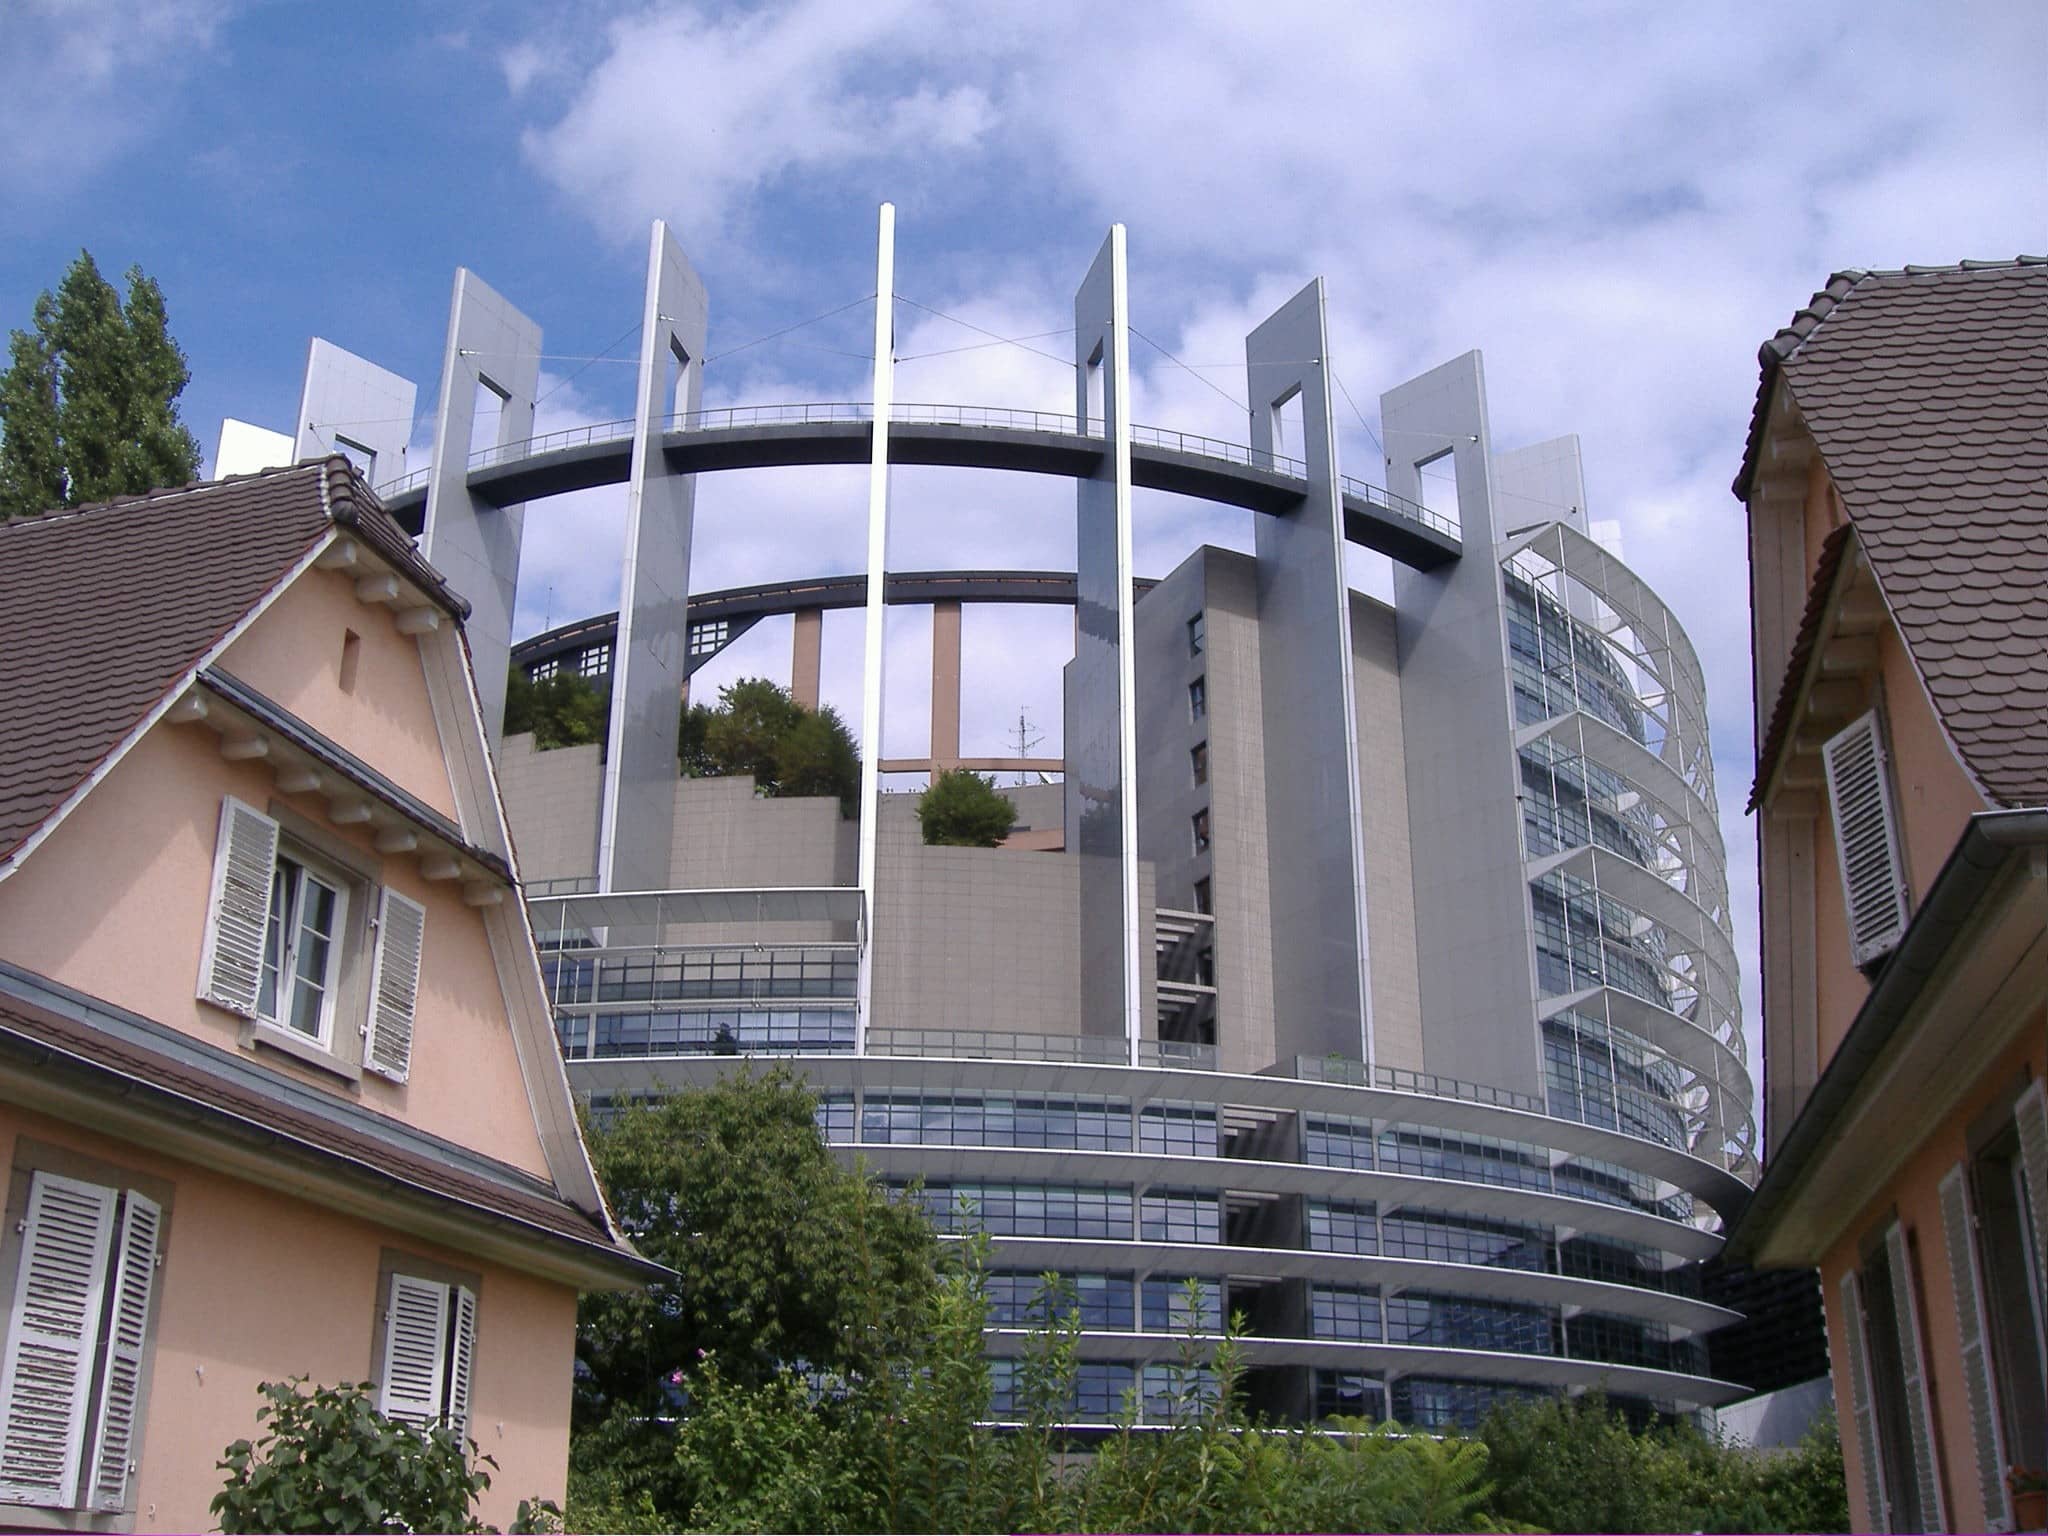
column 1362, row 969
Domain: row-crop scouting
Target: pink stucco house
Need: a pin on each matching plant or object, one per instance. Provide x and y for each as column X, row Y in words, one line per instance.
column 279, row 1093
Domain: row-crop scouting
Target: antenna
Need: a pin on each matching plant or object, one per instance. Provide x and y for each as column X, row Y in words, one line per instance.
column 1024, row 740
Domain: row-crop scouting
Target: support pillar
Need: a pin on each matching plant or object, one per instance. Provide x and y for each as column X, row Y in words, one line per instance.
column 1102, row 754
column 878, row 555
column 807, row 651
column 1315, row 829
column 650, row 657
column 945, row 742
column 491, row 346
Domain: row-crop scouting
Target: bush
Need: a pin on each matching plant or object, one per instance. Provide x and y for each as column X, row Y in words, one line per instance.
column 758, row 729
column 561, row 711
column 961, row 809
column 326, row 1460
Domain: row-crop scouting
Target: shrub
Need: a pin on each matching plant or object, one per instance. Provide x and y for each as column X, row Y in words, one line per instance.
column 327, row 1460
column 963, row 810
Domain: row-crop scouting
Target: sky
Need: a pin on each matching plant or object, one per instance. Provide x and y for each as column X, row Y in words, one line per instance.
column 1615, row 203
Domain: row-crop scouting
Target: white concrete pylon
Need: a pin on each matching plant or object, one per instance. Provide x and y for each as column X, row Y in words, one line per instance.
column 636, row 821
column 878, row 553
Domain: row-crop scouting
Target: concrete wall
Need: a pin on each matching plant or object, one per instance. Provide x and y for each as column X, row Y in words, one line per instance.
column 978, row 938
column 1389, row 866
column 233, row 1311
column 551, row 803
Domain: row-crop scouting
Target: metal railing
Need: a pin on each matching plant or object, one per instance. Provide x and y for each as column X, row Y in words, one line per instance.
column 1001, row 418
column 998, row 1045
column 1338, row 1069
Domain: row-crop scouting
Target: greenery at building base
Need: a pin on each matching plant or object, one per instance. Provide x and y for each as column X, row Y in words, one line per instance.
column 819, row 1366
column 562, row 711
column 962, row 809
column 790, row 749
column 326, row 1460
column 88, row 402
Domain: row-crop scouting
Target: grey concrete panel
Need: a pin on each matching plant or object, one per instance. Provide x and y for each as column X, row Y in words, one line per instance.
column 1475, row 955
column 1314, row 827
column 352, row 406
column 1101, row 750
column 649, row 659
column 1540, row 483
column 1389, row 857
column 472, row 542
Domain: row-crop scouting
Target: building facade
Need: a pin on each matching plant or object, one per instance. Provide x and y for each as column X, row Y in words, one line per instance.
column 1894, row 482
column 1368, row 971
column 278, row 1088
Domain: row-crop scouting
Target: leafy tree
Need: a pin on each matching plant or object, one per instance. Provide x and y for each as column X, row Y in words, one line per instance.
column 326, row 1460
column 962, row 809
column 757, row 728
column 88, row 404
column 562, row 711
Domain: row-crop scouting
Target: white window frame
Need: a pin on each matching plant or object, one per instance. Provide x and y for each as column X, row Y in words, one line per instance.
column 308, row 866
column 76, row 1446
column 386, row 944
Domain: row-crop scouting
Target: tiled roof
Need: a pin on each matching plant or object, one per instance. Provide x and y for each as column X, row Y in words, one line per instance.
column 1926, row 393
column 224, row 1098
column 107, row 606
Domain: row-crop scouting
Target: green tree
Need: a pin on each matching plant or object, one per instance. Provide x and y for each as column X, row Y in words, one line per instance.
column 326, row 1460
column 961, row 808
column 757, row 728
column 88, row 404
column 562, row 711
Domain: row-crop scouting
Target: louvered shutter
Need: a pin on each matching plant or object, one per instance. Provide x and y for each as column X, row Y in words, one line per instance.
column 51, row 1333
column 1958, row 1227
column 1919, row 1410
column 238, row 912
column 394, row 985
column 415, row 1351
column 2031, row 1116
column 1876, row 1506
column 120, row 1387
column 1866, row 839
column 462, row 1361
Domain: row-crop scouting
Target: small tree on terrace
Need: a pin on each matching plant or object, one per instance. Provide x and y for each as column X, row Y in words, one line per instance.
column 962, row 809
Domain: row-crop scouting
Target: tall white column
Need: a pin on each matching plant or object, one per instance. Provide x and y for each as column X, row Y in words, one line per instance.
column 878, row 553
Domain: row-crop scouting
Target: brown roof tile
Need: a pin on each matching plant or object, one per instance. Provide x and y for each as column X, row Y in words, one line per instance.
column 1926, row 393
column 109, row 605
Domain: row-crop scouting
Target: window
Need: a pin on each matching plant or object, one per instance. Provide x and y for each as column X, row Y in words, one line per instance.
column 1888, row 1388
column 278, row 943
column 1198, row 699
column 1201, row 825
column 78, row 1333
column 1204, row 900
column 1866, row 839
column 594, row 661
column 1344, row 1312
column 1198, row 634
column 1198, row 762
column 426, row 1356
column 1989, row 1206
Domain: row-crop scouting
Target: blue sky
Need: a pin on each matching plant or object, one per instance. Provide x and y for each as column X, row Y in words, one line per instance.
column 1616, row 203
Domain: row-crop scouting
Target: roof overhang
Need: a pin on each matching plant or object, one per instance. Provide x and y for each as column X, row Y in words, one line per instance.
column 1969, row 977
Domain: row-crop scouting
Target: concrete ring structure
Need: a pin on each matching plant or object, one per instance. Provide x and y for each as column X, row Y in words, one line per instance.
column 1368, row 973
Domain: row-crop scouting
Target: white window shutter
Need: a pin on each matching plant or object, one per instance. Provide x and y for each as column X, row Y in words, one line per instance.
column 52, row 1329
column 1958, row 1229
column 1876, row 1506
column 1919, row 1410
column 462, row 1361
column 1866, row 839
column 2031, row 1116
column 395, row 985
column 238, row 911
column 120, row 1385
column 415, row 1351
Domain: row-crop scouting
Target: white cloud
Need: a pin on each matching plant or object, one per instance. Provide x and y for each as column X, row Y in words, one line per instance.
column 81, row 80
